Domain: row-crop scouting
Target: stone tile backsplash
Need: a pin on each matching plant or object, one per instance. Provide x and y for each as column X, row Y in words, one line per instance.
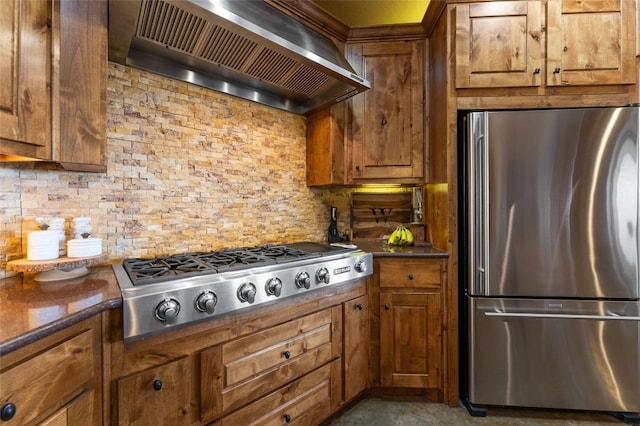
column 187, row 169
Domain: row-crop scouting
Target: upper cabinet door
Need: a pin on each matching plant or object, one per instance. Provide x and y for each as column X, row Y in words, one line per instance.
column 387, row 122
column 590, row 42
column 25, row 43
column 499, row 44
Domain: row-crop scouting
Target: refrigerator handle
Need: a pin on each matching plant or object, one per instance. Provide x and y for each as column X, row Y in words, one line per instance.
column 610, row 316
column 478, row 219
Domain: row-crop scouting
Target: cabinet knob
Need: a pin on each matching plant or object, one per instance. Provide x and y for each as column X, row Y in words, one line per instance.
column 286, row 354
column 410, row 276
column 157, row 384
column 536, row 71
column 556, row 70
column 359, row 306
column 287, row 418
column 386, row 306
column 8, row 411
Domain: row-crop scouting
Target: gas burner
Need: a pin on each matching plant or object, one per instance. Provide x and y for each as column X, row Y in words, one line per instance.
column 180, row 289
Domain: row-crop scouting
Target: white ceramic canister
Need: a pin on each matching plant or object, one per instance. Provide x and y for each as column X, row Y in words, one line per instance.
column 84, row 247
column 43, row 245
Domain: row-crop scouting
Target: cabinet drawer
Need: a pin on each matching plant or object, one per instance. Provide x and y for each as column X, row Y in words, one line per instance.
column 157, row 396
column 50, row 379
column 411, row 273
column 237, row 372
column 306, row 401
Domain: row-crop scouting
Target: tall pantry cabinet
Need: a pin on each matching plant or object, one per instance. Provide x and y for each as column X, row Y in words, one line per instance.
column 53, row 59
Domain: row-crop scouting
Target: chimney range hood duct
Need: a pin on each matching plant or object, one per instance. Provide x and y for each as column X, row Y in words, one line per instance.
column 244, row 48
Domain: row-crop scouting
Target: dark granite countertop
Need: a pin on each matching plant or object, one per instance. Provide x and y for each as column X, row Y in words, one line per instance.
column 31, row 310
column 381, row 248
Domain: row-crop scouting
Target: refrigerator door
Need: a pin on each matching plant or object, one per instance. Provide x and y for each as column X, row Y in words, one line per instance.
column 581, row 355
column 553, row 203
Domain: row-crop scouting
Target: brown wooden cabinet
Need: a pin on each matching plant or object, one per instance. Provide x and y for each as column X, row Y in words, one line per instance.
column 410, row 322
column 326, row 154
column 502, row 44
column 590, row 42
column 56, row 380
column 499, row 44
column 356, row 347
column 377, row 136
column 158, row 396
column 385, row 133
column 245, row 369
column 25, row 64
column 259, row 366
column 53, row 107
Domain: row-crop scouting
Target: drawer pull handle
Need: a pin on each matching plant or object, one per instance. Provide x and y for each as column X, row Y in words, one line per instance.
column 386, row 306
column 8, row 411
column 410, row 276
column 359, row 306
column 286, row 354
column 287, row 418
column 157, row 384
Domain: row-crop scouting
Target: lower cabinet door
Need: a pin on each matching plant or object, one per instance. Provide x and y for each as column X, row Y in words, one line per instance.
column 356, row 346
column 410, row 340
column 157, row 396
column 306, row 401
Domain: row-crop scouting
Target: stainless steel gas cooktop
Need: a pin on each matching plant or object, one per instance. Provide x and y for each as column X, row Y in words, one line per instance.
column 161, row 293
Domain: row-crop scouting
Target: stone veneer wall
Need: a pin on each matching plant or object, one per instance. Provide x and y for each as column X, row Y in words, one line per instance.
column 187, row 169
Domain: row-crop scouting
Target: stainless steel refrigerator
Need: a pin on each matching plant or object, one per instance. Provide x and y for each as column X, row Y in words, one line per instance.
column 551, row 267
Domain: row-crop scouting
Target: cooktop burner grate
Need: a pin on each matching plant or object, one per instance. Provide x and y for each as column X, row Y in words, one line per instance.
column 148, row 271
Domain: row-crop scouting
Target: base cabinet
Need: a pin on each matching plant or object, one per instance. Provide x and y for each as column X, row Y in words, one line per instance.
column 157, row 396
column 279, row 364
column 55, row 381
column 409, row 321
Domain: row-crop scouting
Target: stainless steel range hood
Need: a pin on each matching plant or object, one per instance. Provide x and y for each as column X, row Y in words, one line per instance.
column 244, row 48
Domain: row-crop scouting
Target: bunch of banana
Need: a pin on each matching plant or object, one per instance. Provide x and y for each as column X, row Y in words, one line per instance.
column 401, row 237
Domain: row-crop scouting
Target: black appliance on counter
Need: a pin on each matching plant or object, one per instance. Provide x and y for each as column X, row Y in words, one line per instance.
column 162, row 293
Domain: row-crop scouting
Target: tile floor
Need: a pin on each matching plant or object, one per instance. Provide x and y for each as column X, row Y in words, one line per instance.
column 376, row 411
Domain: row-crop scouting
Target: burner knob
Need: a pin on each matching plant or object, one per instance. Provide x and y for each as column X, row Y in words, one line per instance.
column 322, row 276
column 167, row 310
column 274, row 287
column 303, row 280
column 247, row 292
column 360, row 266
column 206, row 301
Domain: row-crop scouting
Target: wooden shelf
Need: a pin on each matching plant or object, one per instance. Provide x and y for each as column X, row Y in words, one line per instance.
column 24, row 265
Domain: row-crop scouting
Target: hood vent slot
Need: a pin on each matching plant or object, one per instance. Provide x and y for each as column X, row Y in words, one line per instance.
column 169, row 26
column 222, row 50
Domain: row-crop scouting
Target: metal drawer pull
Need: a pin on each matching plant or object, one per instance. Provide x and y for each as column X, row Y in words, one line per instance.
column 286, row 354
column 561, row 316
column 287, row 418
column 359, row 306
column 157, row 384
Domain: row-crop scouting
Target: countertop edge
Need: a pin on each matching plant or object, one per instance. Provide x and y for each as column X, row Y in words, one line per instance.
column 55, row 326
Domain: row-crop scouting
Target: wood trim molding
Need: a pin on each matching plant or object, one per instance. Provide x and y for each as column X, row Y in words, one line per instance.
column 313, row 16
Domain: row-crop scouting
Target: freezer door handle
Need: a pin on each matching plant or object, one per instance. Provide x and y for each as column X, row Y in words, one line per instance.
column 609, row 316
